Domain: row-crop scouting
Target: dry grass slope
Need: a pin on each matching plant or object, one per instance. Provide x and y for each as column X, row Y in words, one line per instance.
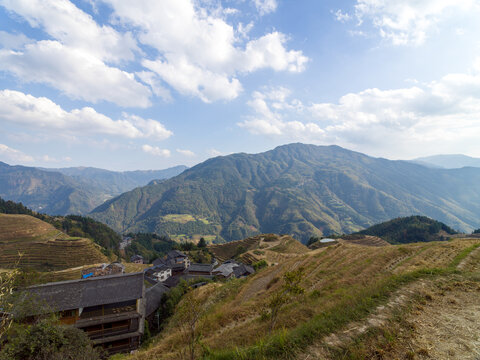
column 270, row 247
column 42, row 247
column 344, row 283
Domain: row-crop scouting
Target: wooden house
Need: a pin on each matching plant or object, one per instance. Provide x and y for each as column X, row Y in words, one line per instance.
column 110, row 309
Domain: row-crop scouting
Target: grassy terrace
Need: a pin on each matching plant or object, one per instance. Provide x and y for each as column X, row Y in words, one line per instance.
column 38, row 245
column 343, row 283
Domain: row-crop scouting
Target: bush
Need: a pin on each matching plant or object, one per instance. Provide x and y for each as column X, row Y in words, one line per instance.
column 45, row 340
column 260, row 265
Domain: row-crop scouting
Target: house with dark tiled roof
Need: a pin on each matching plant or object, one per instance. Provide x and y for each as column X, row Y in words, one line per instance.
column 137, row 259
column 243, row 270
column 159, row 273
column 232, row 269
column 178, row 257
column 225, row 270
column 200, row 269
column 110, row 309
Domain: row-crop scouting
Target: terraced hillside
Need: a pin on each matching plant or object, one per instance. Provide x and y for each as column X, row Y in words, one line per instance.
column 352, row 292
column 270, row 247
column 33, row 243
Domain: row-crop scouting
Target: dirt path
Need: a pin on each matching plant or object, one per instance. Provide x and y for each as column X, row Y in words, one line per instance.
column 471, row 262
column 449, row 327
column 355, row 329
column 443, row 325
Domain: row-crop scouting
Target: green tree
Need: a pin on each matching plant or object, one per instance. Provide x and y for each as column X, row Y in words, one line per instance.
column 46, row 340
column 202, row 243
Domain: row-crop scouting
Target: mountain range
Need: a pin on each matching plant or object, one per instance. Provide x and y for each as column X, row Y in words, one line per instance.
column 453, row 161
column 297, row 189
column 70, row 190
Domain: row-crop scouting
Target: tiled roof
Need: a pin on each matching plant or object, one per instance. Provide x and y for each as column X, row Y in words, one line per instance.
column 243, row 270
column 200, row 268
column 175, row 253
column 158, row 261
column 74, row 294
column 154, row 296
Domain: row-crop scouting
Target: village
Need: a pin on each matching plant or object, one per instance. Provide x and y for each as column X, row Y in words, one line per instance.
column 113, row 307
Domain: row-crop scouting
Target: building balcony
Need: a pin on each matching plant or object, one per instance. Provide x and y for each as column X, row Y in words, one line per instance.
column 104, row 319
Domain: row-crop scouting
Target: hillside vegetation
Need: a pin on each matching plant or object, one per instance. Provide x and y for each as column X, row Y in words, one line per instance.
column 31, row 243
column 409, row 230
column 348, row 290
column 301, row 190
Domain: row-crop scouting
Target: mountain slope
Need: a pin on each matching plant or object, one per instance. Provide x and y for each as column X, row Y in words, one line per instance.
column 117, row 182
column 296, row 189
column 71, row 190
column 48, row 192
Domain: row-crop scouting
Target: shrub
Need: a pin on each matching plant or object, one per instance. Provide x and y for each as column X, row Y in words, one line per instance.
column 260, row 265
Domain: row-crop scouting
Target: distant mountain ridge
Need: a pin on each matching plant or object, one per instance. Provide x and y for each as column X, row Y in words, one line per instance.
column 454, row 161
column 296, row 189
column 117, row 182
column 71, row 190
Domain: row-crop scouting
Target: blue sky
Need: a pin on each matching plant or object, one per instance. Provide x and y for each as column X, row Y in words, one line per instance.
column 149, row 84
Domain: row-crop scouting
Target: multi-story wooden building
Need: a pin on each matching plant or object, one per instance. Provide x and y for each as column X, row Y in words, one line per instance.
column 110, row 309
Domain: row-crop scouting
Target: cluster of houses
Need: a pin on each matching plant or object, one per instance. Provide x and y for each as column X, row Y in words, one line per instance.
column 111, row 306
column 177, row 266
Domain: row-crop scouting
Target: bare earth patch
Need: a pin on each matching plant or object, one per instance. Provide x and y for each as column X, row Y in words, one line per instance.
column 449, row 326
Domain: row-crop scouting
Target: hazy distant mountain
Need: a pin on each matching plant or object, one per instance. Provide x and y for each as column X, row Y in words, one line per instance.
column 295, row 189
column 117, row 182
column 448, row 161
column 47, row 191
column 71, row 190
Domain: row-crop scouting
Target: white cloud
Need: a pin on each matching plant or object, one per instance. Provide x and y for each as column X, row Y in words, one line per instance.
column 191, row 48
column 441, row 114
column 155, row 84
column 342, row 16
column 265, row 6
column 187, row 153
column 199, row 53
column 214, row 152
column 13, row 41
column 12, row 155
column 42, row 113
column 269, row 108
column 156, row 151
column 189, row 79
column 407, row 21
column 62, row 20
column 74, row 72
